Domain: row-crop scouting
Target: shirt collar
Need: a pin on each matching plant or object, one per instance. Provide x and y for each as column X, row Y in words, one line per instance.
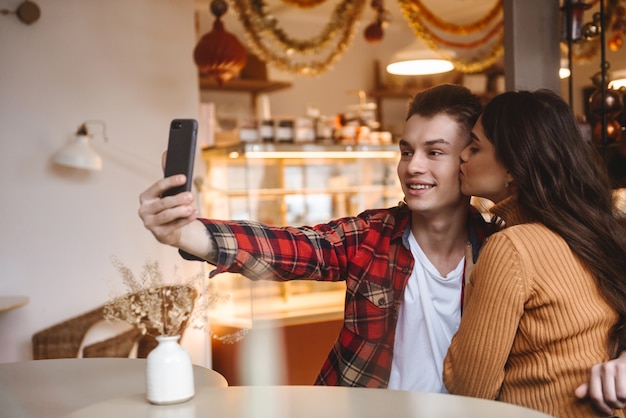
column 477, row 228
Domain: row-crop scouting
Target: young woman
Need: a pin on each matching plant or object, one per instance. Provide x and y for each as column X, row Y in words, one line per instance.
column 547, row 297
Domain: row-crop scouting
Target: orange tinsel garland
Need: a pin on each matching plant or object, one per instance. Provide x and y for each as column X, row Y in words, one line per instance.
column 417, row 8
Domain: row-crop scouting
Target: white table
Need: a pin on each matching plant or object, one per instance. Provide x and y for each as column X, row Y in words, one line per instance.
column 307, row 402
column 55, row 388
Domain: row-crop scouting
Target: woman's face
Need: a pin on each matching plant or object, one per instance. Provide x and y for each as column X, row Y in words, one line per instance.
column 480, row 173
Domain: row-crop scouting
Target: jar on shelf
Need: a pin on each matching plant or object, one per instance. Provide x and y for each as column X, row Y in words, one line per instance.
column 248, row 131
column 266, row 130
column 284, row 131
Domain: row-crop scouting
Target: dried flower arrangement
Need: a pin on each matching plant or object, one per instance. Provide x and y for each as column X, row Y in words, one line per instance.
column 153, row 307
column 156, row 308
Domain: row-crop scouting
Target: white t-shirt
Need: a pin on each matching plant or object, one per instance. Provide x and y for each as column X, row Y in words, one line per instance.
column 429, row 316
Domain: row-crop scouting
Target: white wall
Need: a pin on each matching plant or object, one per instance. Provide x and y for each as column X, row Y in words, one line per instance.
column 127, row 63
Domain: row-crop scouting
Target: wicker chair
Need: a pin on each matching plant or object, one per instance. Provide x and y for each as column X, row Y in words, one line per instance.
column 64, row 340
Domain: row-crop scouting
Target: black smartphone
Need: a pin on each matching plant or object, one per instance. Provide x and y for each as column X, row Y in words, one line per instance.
column 181, row 149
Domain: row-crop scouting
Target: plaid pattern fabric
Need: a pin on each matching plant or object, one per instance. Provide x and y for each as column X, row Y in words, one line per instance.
column 369, row 252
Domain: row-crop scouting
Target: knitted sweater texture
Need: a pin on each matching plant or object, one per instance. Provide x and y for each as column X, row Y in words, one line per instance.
column 534, row 324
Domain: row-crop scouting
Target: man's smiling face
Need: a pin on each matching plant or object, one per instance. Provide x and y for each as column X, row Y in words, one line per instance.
column 429, row 164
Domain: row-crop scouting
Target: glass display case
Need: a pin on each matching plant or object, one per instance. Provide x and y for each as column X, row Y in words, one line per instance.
column 291, row 184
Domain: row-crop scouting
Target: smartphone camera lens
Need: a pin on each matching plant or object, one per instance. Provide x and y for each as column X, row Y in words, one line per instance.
column 177, row 125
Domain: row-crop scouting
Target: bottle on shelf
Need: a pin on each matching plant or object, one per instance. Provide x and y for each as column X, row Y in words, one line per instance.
column 266, row 130
column 284, row 131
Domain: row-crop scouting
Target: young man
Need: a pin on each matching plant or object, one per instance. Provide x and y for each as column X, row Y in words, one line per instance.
column 403, row 266
column 374, row 253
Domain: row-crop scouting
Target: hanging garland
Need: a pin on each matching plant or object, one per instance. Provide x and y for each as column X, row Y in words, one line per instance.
column 413, row 11
column 419, row 9
column 472, row 65
column 255, row 18
column 262, row 28
column 304, row 4
column 274, row 46
column 497, row 29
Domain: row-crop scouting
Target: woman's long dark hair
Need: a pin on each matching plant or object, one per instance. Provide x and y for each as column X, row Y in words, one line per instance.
column 561, row 185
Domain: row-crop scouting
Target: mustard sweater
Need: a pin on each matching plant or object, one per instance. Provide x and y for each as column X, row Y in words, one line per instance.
column 533, row 325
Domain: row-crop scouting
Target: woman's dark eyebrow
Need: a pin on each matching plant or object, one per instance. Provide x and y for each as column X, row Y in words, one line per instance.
column 474, row 137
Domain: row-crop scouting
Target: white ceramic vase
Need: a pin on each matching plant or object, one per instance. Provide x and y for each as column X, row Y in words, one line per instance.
column 169, row 372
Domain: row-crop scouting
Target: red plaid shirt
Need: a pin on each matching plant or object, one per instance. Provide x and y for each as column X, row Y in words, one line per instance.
column 370, row 252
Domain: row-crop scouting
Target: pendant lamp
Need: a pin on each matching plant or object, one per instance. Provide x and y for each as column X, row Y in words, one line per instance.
column 219, row 54
column 418, row 59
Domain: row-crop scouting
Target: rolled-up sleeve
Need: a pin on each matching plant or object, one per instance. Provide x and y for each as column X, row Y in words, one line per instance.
column 262, row 252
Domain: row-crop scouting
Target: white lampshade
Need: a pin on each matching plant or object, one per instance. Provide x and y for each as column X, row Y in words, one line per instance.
column 618, row 80
column 79, row 154
column 417, row 59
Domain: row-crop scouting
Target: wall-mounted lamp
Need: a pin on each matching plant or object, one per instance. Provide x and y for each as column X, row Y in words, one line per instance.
column 79, row 153
column 27, row 12
column 418, row 59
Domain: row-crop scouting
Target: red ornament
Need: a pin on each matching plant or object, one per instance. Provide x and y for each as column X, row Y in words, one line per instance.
column 219, row 53
column 373, row 32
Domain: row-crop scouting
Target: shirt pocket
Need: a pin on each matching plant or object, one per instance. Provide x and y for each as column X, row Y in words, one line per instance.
column 369, row 309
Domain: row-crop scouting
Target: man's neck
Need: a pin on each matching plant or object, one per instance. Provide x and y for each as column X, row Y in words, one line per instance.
column 442, row 237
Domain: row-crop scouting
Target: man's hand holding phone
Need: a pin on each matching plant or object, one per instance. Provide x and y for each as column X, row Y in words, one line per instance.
column 167, row 207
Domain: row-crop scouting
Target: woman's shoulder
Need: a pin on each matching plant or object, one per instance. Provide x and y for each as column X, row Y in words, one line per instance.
column 526, row 230
column 530, row 238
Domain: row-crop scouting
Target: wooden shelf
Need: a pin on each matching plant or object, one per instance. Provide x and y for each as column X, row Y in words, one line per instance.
column 243, row 85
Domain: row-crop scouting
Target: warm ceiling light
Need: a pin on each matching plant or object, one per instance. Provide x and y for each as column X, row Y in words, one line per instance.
column 219, row 53
column 417, row 59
